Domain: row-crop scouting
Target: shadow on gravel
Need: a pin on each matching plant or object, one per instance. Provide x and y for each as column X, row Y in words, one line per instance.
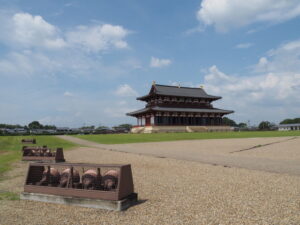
column 140, row 201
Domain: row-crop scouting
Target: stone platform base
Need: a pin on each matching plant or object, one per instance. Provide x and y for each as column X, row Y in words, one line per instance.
column 84, row 202
column 166, row 129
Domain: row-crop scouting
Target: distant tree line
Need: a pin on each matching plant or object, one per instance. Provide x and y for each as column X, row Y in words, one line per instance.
column 264, row 125
column 30, row 126
column 37, row 128
column 5, row 129
column 10, row 126
column 290, row 121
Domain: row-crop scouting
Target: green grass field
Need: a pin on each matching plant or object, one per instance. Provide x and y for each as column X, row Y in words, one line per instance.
column 10, row 148
column 138, row 138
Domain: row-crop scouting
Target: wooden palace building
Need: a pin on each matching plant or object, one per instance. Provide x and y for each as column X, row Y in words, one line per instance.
column 178, row 109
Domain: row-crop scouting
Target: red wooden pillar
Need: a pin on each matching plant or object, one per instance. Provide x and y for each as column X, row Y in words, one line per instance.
column 147, row 121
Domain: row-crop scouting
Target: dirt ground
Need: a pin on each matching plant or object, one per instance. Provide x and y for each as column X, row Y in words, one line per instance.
column 181, row 191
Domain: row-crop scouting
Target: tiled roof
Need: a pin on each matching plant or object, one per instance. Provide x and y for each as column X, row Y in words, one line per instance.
column 168, row 109
column 166, row 90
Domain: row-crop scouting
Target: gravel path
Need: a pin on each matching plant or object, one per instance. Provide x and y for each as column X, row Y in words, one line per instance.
column 171, row 191
column 279, row 154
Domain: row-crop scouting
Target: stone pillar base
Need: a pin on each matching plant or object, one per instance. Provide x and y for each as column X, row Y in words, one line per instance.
column 83, row 202
column 179, row 129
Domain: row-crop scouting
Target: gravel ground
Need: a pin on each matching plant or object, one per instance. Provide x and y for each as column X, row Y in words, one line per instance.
column 211, row 146
column 276, row 154
column 286, row 150
column 170, row 191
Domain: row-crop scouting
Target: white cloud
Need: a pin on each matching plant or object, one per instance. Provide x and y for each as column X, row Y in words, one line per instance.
column 29, row 39
column 265, row 87
column 98, row 38
column 125, row 91
column 156, row 62
column 28, row 63
column 26, row 30
column 45, row 51
column 92, row 111
column 132, row 63
column 262, row 65
column 118, row 110
column 270, row 93
column 216, row 75
column 285, row 58
column 290, row 46
column 270, row 97
column 86, row 109
column 61, row 64
column 244, row 45
column 68, row 94
column 228, row 14
column 193, row 30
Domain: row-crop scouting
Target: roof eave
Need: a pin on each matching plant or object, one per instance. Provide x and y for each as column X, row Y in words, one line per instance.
column 141, row 111
column 229, row 112
column 142, row 97
column 164, row 109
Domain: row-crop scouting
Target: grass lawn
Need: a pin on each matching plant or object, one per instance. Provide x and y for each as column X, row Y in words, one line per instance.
column 6, row 195
column 10, row 148
column 137, row 138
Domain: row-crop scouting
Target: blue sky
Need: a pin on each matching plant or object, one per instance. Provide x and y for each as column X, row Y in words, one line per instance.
column 74, row 63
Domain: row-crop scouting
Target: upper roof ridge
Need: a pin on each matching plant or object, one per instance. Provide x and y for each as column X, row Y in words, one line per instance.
column 178, row 86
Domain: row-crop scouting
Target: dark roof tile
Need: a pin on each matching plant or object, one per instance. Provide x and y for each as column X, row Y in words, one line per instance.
column 179, row 91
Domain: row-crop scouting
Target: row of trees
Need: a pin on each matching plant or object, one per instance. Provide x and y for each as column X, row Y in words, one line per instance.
column 10, row 126
column 264, row 125
column 232, row 123
column 37, row 125
column 122, row 128
column 30, row 126
column 37, row 128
